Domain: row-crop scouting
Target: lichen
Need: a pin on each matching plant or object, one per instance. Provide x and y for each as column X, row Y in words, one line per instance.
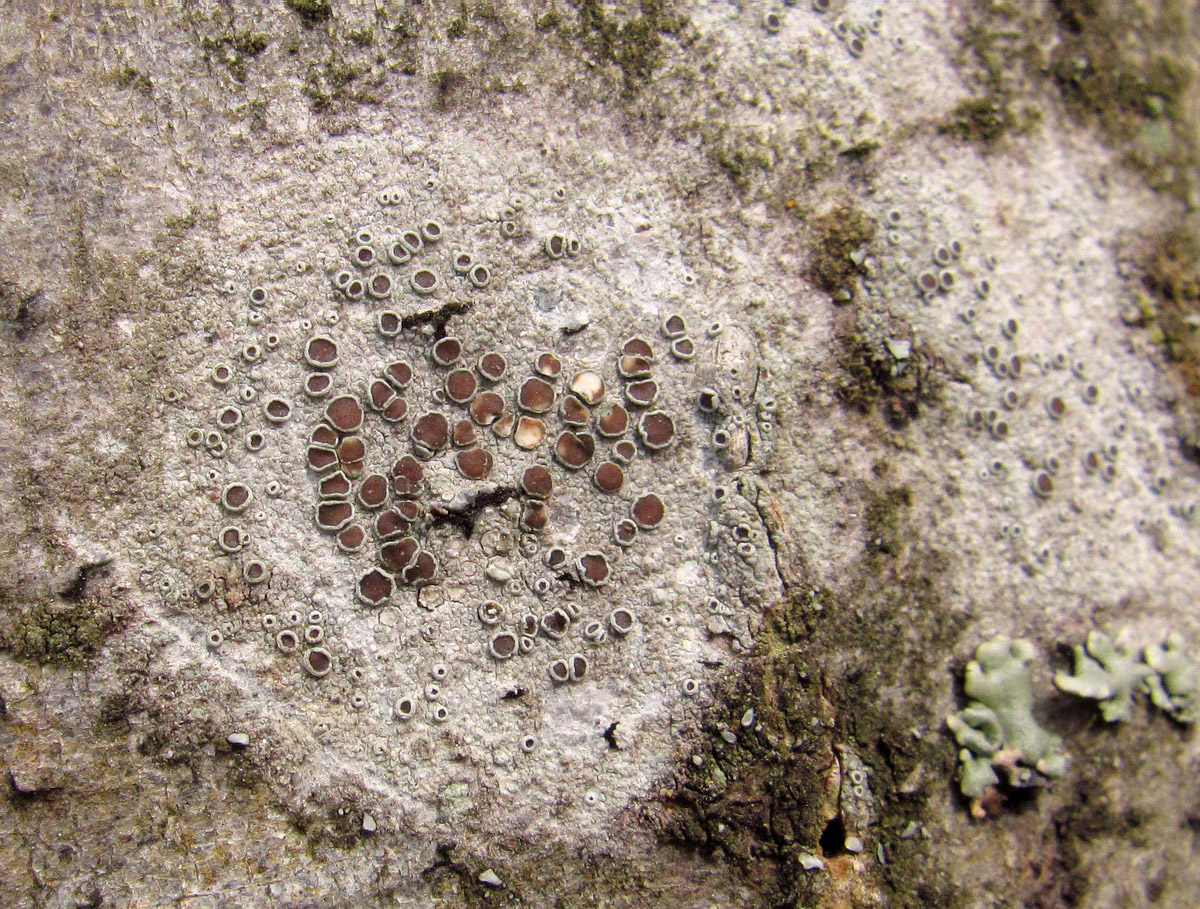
column 997, row 729
column 1106, row 671
column 1174, row 684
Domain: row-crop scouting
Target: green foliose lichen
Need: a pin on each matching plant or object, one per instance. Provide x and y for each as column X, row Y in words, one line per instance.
column 1174, row 686
column 997, row 731
column 1106, row 671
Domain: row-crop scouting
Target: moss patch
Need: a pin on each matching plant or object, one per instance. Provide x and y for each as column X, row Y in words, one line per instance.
column 311, row 11
column 234, row 50
column 57, row 634
column 550, row 21
column 843, row 666
column 449, row 88
column 631, row 39
column 1169, row 308
column 996, row 58
column 986, row 118
column 1172, row 277
column 1127, row 67
column 739, row 151
column 882, row 519
column 1113, row 804
column 184, row 266
column 23, row 308
column 335, row 80
column 132, row 78
column 838, row 235
column 1124, row 65
column 873, row 381
column 774, row 164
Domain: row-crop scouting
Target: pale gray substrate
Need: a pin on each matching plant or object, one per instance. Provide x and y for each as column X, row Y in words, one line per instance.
column 147, row 190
